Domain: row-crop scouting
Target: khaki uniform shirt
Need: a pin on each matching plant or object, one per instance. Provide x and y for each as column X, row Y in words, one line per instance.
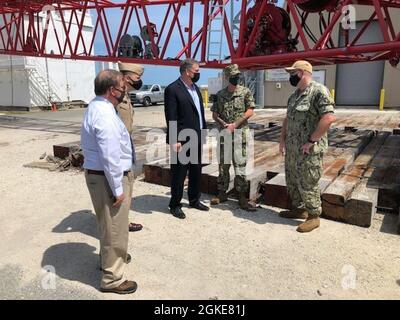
column 126, row 112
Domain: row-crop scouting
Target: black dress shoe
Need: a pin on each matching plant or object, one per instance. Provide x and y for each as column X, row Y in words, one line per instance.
column 178, row 213
column 199, row 206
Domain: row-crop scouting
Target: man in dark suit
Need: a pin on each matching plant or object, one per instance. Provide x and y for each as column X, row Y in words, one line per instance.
column 184, row 113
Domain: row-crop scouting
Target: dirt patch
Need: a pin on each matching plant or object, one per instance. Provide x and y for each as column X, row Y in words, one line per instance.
column 44, row 137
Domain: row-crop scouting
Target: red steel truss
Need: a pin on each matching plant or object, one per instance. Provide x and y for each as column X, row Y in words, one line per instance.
column 29, row 39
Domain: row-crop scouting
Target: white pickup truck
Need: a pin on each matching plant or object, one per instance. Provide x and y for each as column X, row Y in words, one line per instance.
column 148, row 95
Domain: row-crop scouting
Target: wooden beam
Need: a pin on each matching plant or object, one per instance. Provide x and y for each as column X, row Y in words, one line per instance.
column 335, row 196
column 276, row 194
column 63, row 150
column 386, row 174
column 360, row 207
column 153, row 171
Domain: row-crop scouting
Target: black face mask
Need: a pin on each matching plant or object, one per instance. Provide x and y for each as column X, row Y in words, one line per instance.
column 196, row 77
column 294, row 80
column 136, row 84
column 234, row 80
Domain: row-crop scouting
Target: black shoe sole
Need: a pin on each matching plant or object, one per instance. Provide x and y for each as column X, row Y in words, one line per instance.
column 183, row 216
column 201, row 209
column 179, row 217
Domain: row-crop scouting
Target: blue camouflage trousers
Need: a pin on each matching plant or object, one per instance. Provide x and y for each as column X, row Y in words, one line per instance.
column 232, row 152
column 303, row 173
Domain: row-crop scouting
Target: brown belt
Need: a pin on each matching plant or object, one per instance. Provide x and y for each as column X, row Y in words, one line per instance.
column 101, row 173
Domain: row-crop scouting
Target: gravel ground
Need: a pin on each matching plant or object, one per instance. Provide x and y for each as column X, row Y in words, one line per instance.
column 47, row 220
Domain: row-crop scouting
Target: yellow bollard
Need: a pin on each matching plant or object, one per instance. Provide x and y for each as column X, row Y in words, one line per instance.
column 204, row 94
column 333, row 94
column 382, row 100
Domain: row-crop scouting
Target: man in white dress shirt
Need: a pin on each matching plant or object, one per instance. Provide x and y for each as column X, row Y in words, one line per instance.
column 107, row 149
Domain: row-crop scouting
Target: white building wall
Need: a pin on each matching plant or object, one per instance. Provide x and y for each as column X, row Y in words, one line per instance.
column 105, row 65
column 69, row 79
column 14, row 84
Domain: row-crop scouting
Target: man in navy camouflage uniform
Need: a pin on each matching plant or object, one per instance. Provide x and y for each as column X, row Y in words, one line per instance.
column 304, row 141
column 234, row 105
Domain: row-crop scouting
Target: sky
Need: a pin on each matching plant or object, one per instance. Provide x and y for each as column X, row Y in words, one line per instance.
column 160, row 74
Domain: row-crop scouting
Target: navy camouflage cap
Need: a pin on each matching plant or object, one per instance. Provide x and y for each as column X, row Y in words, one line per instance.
column 231, row 70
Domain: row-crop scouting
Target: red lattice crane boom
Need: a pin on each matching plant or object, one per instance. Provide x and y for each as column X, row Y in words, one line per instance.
column 268, row 36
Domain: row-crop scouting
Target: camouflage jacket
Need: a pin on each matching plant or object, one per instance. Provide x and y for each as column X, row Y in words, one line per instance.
column 232, row 105
column 125, row 112
column 303, row 114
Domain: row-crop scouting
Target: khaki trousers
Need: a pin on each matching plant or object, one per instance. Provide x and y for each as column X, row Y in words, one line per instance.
column 113, row 227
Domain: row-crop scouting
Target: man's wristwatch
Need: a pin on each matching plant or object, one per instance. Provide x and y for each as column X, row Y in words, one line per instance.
column 312, row 142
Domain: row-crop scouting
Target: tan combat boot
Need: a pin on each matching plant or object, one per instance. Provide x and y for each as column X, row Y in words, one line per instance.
column 310, row 224
column 221, row 197
column 297, row 213
column 244, row 204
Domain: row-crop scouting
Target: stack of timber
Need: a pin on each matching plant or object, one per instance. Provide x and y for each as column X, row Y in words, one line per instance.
column 265, row 156
column 377, row 121
column 344, row 147
column 385, row 174
column 361, row 167
column 348, row 198
column 373, row 120
column 268, row 164
column 266, row 167
column 149, row 144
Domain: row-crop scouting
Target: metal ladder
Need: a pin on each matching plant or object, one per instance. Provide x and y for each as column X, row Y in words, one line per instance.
column 215, row 33
column 36, row 74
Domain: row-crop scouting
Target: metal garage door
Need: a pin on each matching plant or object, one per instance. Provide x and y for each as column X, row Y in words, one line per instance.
column 360, row 83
